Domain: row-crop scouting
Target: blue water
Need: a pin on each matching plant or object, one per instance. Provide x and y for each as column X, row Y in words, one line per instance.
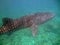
column 48, row 33
column 15, row 8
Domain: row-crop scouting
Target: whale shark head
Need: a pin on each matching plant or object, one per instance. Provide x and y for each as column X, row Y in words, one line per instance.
column 46, row 16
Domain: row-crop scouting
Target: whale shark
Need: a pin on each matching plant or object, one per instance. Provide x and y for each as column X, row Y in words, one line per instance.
column 29, row 21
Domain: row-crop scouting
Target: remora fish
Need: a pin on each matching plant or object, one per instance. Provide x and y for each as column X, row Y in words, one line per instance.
column 31, row 21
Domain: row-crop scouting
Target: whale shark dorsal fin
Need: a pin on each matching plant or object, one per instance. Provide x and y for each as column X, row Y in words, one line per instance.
column 6, row 20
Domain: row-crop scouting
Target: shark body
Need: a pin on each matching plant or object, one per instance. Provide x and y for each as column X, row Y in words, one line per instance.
column 31, row 20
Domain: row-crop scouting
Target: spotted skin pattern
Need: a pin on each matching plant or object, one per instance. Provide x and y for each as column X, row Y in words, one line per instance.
column 31, row 20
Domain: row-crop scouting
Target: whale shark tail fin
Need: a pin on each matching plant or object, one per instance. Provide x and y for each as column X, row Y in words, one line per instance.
column 6, row 20
column 6, row 25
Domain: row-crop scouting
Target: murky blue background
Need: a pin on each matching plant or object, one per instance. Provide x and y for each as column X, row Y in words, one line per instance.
column 48, row 33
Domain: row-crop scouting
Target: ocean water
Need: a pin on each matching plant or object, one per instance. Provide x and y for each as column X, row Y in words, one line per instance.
column 47, row 33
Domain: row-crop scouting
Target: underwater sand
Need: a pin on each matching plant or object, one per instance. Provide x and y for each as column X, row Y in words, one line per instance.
column 47, row 33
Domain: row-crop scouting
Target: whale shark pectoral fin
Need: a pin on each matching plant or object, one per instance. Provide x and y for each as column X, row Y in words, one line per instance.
column 34, row 29
column 6, row 20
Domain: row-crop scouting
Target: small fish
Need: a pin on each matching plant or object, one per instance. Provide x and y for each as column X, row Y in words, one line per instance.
column 32, row 21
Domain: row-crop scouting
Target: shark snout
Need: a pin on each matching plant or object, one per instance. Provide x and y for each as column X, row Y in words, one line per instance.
column 52, row 15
